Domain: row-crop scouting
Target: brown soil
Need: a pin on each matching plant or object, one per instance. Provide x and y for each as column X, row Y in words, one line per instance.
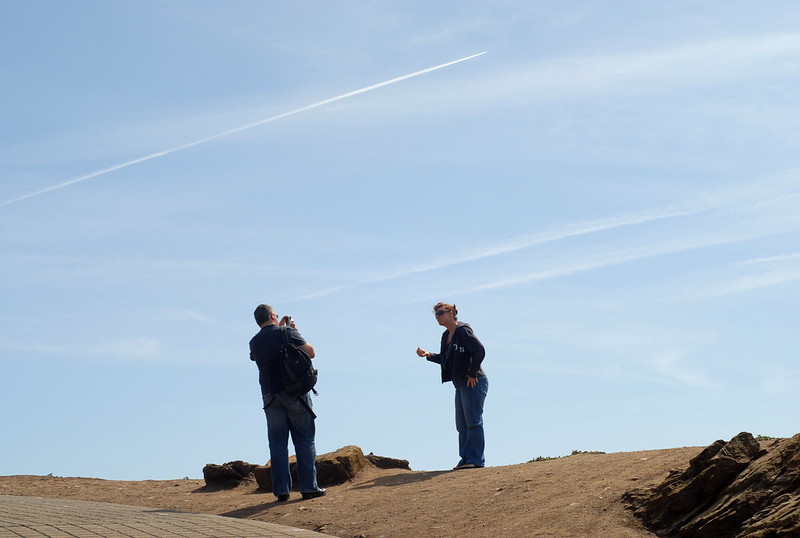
column 577, row 495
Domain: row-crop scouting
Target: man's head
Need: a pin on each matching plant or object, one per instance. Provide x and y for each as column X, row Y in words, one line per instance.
column 263, row 314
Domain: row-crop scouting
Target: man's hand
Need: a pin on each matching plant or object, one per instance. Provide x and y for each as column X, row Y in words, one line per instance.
column 472, row 381
column 422, row 353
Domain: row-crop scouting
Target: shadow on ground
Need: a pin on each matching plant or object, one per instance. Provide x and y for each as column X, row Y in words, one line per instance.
column 225, row 486
column 400, row 479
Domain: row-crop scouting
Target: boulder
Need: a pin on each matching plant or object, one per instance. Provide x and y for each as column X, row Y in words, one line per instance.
column 340, row 466
column 733, row 489
column 332, row 468
column 227, row 474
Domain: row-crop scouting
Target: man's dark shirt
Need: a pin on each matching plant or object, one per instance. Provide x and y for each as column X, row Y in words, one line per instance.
column 264, row 349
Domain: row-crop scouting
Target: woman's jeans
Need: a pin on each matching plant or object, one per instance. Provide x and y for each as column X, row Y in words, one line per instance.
column 285, row 416
column 469, row 421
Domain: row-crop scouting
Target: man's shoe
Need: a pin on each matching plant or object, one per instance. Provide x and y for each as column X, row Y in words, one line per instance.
column 283, row 498
column 314, row 494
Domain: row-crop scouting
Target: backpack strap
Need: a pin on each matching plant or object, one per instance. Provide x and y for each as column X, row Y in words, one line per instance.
column 285, row 334
column 308, row 408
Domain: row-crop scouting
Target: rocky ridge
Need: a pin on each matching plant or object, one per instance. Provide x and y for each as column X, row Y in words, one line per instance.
column 736, row 489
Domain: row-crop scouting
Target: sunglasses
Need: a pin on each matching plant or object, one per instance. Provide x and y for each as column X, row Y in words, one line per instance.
column 440, row 313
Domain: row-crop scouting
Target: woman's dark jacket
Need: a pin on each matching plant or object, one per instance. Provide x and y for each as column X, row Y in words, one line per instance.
column 462, row 358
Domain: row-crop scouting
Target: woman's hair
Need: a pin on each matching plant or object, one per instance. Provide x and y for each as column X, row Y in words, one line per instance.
column 446, row 306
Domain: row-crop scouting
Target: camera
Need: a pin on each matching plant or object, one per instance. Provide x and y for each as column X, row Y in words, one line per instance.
column 289, row 321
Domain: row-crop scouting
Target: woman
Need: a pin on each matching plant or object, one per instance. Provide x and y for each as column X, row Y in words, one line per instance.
column 460, row 357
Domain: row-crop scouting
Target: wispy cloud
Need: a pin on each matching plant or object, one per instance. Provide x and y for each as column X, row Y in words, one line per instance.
column 670, row 365
column 777, row 270
column 709, row 62
column 517, row 243
column 773, row 259
column 776, row 379
column 752, row 197
column 699, row 63
column 617, row 74
column 586, row 263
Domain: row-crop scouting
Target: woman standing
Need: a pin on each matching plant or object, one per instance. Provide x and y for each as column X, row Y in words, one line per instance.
column 460, row 357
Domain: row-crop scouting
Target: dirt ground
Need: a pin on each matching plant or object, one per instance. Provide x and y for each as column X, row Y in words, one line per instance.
column 575, row 496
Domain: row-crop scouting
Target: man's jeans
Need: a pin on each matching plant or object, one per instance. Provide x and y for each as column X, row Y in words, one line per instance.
column 286, row 415
column 469, row 421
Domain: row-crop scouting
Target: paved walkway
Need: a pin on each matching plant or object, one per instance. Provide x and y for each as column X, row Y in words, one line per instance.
column 55, row 518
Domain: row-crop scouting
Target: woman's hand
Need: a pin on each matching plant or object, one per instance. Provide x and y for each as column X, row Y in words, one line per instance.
column 472, row 381
column 422, row 353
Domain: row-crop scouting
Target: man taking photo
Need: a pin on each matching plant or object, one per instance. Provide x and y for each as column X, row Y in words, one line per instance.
column 285, row 414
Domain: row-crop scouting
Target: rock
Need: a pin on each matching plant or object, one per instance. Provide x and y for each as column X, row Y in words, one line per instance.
column 383, row 462
column 340, row 466
column 332, row 468
column 732, row 489
column 227, row 474
column 264, row 478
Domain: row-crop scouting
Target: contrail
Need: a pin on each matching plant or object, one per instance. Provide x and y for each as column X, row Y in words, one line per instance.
column 238, row 129
column 519, row 243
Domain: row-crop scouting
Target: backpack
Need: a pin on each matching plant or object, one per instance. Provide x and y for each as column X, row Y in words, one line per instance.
column 298, row 374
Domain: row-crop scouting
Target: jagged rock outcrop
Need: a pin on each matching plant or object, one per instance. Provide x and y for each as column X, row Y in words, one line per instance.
column 736, row 489
column 227, row 474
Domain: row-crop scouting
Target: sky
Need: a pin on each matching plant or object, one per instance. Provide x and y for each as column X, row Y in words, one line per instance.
column 610, row 195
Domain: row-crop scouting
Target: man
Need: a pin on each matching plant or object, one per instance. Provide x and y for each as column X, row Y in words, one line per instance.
column 285, row 414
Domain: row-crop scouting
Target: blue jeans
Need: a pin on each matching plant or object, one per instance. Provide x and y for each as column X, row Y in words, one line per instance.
column 286, row 415
column 469, row 421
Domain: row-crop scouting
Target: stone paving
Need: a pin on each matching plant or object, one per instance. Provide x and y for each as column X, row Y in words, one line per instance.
column 59, row 518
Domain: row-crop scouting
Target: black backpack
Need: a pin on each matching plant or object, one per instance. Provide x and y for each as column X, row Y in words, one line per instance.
column 298, row 374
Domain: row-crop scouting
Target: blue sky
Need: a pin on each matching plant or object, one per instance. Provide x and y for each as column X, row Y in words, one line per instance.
column 610, row 195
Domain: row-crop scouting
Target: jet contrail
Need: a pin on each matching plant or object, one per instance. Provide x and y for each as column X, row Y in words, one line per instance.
column 237, row 130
